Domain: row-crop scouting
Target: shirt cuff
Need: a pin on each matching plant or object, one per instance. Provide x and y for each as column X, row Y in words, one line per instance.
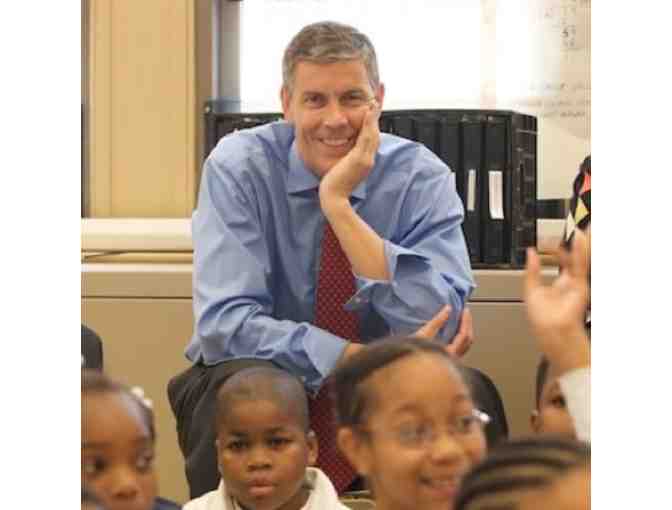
column 367, row 286
column 324, row 351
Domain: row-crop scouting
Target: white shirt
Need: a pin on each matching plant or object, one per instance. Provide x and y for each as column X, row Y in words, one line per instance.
column 323, row 496
column 575, row 386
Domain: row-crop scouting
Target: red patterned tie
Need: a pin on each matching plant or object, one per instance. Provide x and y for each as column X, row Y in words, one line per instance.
column 336, row 284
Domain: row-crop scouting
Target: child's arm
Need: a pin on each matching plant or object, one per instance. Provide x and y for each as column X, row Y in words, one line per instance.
column 556, row 313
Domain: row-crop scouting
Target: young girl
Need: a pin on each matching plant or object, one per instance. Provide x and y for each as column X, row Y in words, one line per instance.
column 407, row 423
column 118, row 446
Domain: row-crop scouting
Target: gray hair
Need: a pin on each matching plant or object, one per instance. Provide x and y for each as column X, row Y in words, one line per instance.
column 327, row 42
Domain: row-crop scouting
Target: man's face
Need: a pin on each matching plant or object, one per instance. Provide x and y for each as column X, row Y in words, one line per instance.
column 327, row 106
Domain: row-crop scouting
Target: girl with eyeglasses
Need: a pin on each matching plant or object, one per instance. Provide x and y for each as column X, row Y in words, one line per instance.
column 407, row 423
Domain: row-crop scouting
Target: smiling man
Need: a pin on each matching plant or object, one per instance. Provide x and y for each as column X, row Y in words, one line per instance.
column 277, row 199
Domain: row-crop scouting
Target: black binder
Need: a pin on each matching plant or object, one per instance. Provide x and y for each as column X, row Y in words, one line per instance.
column 470, row 177
column 449, row 145
column 402, row 125
column 495, row 179
column 427, row 133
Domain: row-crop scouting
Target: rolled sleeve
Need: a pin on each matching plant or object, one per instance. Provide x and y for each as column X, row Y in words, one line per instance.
column 414, row 293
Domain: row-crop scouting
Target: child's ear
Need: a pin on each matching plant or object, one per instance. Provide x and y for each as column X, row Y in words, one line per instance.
column 535, row 421
column 219, row 460
column 313, row 448
column 356, row 449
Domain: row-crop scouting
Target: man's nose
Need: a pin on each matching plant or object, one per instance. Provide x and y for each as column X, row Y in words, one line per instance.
column 335, row 116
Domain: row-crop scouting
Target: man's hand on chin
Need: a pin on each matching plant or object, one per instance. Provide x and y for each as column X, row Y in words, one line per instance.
column 345, row 176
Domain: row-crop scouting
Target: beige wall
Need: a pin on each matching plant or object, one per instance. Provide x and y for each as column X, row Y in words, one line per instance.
column 143, row 341
column 148, row 76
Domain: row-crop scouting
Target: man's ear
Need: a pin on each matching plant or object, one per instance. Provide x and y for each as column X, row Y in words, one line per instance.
column 285, row 99
column 379, row 94
column 535, row 422
column 356, row 449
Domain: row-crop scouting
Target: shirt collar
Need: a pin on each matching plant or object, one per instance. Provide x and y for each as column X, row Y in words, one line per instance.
column 301, row 179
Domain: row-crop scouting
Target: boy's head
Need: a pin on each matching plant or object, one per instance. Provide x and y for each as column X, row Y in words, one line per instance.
column 264, row 443
column 550, row 417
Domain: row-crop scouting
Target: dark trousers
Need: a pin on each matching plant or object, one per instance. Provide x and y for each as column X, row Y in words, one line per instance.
column 192, row 396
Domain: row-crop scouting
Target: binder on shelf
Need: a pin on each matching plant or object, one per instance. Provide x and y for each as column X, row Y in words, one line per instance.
column 426, row 133
column 523, row 195
column 471, row 138
column 495, row 181
column 449, row 147
column 402, row 125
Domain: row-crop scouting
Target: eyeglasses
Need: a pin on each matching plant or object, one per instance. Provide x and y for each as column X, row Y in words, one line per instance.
column 423, row 435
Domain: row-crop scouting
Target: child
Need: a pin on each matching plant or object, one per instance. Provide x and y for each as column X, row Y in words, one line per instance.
column 264, row 447
column 118, row 446
column 407, row 423
column 522, row 473
column 551, row 416
column 555, row 313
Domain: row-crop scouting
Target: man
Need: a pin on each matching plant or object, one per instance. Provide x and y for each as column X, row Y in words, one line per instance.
column 267, row 195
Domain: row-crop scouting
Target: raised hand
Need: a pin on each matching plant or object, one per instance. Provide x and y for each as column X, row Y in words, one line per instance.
column 556, row 311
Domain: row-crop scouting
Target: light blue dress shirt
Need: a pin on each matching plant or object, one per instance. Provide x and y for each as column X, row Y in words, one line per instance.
column 257, row 233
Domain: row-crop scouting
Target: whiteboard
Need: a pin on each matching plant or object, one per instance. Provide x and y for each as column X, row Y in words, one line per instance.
column 531, row 56
column 545, row 71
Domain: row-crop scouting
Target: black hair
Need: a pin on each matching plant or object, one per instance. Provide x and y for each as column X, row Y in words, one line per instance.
column 543, row 369
column 90, row 498
column 542, row 374
column 94, row 381
column 351, row 396
column 263, row 383
column 516, row 467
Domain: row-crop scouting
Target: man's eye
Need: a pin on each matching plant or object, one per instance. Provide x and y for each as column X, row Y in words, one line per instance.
column 93, row 466
column 313, row 100
column 353, row 100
